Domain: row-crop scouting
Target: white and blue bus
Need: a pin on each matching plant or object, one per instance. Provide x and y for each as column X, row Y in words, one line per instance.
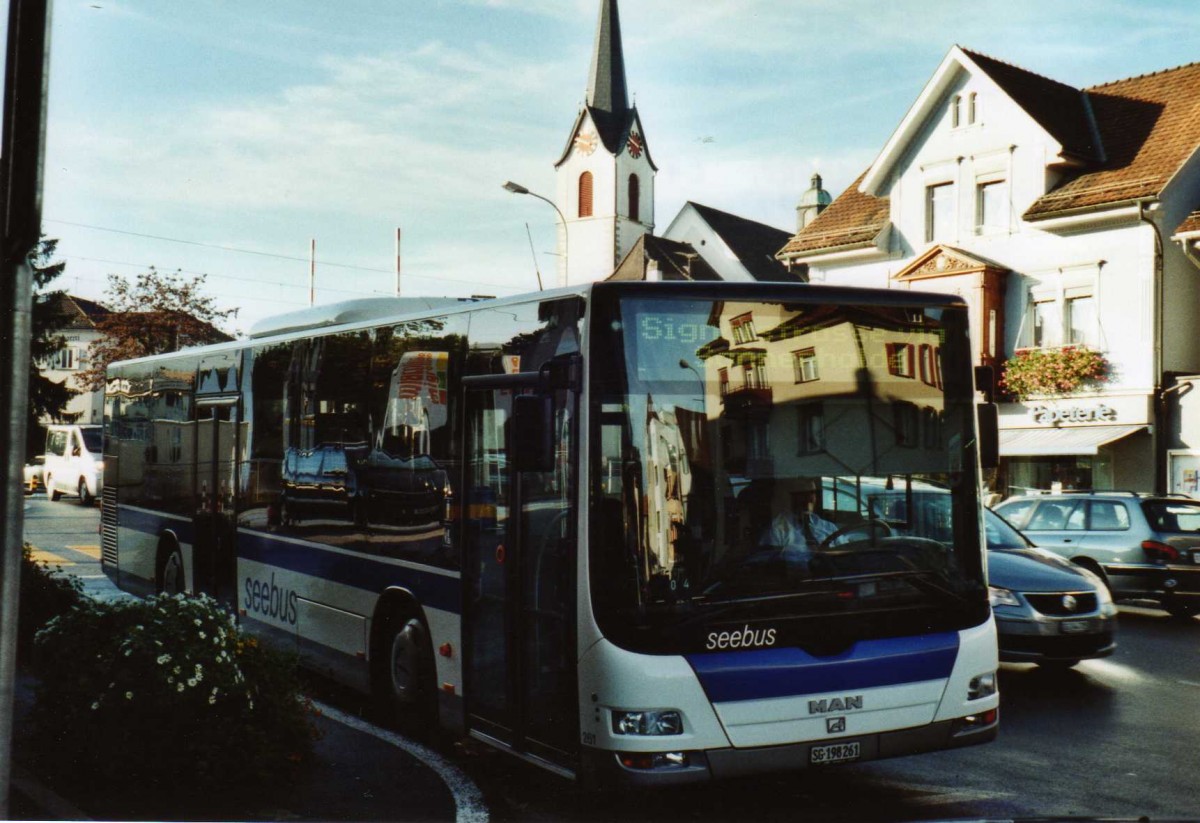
column 621, row 530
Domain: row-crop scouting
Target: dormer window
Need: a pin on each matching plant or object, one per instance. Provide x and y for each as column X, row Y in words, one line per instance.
column 585, row 194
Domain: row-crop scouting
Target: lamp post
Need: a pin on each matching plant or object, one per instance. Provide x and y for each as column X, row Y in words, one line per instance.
column 517, row 188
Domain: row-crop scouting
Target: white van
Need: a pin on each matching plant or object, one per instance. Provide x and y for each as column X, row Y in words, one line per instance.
column 74, row 462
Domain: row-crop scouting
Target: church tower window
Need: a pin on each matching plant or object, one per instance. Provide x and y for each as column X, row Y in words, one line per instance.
column 585, row 194
column 634, row 197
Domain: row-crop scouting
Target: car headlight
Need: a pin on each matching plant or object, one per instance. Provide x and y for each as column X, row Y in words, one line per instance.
column 1002, row 597
column 649, row 722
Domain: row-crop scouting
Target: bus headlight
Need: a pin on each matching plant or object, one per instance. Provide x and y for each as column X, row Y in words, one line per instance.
column 649, row 722
column 1002, row 597
column 982, row 686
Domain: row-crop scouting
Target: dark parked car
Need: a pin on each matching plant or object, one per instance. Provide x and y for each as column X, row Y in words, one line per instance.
column 1145, row 547
column 1048, row 611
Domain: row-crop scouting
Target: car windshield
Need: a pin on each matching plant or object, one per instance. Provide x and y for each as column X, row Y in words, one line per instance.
column 1173, row 516
column 746, row 458
column 92, row 439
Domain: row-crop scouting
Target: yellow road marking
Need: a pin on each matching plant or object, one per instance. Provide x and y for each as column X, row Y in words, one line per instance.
column 43, row 556
column 91, row 551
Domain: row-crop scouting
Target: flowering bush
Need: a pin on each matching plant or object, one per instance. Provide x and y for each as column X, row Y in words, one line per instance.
column 1053, row 371
column 165, row 699
column 45, row 593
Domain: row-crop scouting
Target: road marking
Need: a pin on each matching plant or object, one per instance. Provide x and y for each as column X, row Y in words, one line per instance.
column 1116, row 671
column 43, row 556
column 468, row 800
column 92, row 550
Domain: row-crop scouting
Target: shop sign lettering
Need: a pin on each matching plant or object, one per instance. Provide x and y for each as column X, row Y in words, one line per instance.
column 1073, row 414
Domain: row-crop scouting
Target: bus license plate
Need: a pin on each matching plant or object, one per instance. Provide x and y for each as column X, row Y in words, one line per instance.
column 834, row 753
column 1074, row 626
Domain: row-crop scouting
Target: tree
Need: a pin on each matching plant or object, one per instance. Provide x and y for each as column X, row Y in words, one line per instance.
column 47, row 399
column 156, row 313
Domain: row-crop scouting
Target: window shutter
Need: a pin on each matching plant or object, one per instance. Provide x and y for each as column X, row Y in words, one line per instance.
column 585, row 194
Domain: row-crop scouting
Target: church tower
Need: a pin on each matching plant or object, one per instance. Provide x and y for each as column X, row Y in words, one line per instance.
column 605, row 186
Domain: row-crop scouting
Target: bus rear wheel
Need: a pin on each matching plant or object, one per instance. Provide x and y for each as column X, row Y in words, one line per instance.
column 403, row 675
column 170, row 572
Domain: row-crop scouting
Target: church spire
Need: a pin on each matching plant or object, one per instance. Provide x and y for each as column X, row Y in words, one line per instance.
column 606, row 84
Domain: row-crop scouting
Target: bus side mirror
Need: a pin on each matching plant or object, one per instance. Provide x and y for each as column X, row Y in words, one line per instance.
column 988, row 432
column 533, row 433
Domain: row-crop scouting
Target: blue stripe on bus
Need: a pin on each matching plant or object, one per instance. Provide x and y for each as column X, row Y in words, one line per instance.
column 785, row 672
column 361, row 571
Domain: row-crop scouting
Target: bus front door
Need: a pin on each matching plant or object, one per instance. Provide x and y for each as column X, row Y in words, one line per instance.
column 214, row 524
column 519, row 580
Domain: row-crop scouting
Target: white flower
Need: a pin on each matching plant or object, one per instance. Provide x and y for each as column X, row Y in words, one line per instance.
column 192, row 682
column 212, row 699
column 164, row 658
column 129, row 695
column 203, row 636
column 197, row 622
column 179, row 688
column 96, row 705
column 176, row 670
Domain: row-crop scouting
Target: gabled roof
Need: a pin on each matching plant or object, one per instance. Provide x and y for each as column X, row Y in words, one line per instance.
column 852, row 221
column 1147, row 128
column 753, row 243
column 1150, row 127
column 81, row 313
column 675, row 261
column 1190, row 226
column 1060, row 109
column 941, row 260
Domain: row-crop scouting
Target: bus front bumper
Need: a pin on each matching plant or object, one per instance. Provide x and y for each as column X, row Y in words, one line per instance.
column 608, row 768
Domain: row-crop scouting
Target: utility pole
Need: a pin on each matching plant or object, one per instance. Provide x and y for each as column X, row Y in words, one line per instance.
column 397, row 261
column 312, row 271
column 21, row 222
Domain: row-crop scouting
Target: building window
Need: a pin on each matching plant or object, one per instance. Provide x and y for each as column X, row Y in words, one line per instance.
column 1079, row 318
column 939, row 212
column 972, row 107
column 805, row 364
column 634, row 198
column 900, row 359
column 955, row 111
column 991, row 206
column 754, row 375
column 65, row 360
column 811, row 427
column 742, row 327
column 585, row 194
column 1044, row 323
column 723, row 380
column 931, row 372
column 906, row 419
column 931, row 425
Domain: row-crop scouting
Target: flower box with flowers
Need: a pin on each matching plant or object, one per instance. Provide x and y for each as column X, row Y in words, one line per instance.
column 1053, row 372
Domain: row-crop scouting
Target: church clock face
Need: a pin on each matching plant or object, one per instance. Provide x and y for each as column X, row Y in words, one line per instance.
column 634, row 145
column 586, row 142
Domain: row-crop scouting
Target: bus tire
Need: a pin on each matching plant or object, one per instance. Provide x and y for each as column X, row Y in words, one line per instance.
column 170, row 578
column 402, row 674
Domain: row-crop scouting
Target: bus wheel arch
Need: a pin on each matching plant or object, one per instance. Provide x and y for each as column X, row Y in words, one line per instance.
column 402, row 666
column 169, row 575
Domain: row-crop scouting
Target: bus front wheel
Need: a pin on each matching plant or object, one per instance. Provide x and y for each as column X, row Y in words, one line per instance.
column 404, row 675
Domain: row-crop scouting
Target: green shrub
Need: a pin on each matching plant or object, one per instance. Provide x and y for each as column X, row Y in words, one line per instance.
column 165, row 700
column 45, row 593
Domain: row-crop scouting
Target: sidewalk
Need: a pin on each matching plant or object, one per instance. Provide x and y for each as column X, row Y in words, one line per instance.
column 355, row 775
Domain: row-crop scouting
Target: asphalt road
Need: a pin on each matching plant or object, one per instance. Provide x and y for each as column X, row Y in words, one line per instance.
column 1112, row 738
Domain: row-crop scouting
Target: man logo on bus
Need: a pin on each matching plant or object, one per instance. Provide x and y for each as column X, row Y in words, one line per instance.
column 837, row 704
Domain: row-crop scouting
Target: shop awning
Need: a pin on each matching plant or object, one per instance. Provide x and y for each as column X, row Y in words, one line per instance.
column 1045, row 442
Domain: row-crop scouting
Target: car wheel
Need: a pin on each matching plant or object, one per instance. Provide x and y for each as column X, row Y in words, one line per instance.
column 54, row 493
column 1180, row 610
column 85, row 497
column 171, row 578
column 404, row 675
column 1057, row 665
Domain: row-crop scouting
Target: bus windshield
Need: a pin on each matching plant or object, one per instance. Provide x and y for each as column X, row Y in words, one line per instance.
column 808, row 467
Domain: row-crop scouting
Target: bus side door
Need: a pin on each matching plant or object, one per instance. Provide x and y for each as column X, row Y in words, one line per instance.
column 519, row 575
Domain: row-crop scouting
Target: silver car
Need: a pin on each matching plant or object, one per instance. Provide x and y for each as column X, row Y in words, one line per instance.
column 1145, row 548
column 1048, row 611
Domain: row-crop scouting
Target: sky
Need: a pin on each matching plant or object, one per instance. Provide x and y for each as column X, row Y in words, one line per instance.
column 223, row 138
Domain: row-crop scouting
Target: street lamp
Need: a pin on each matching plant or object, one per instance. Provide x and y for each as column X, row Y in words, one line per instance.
column 517, row 188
